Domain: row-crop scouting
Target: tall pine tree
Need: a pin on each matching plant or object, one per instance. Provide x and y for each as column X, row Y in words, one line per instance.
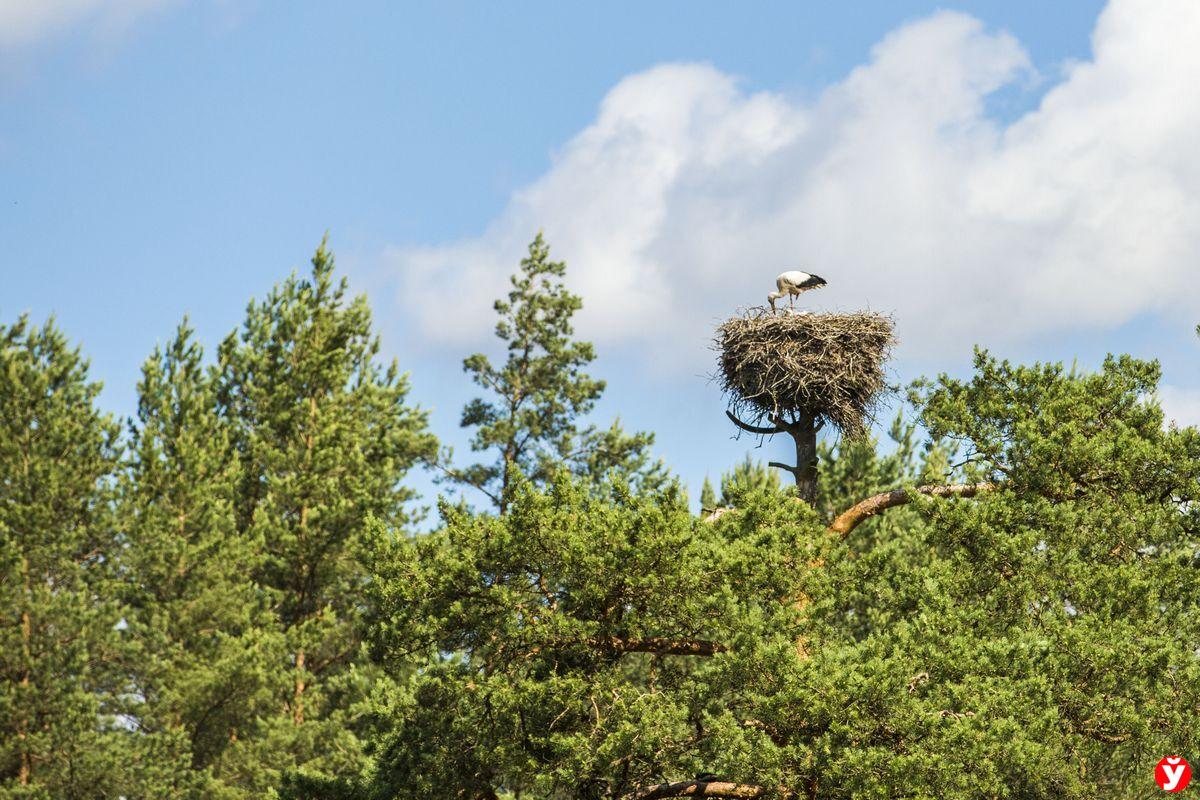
column 530, row 423
column 201, row 621
column 60, row 647
column 324, row 434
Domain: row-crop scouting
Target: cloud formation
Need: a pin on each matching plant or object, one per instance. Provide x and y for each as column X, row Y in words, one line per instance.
column 1180, row 405
column 687, row 195
column 28, row 22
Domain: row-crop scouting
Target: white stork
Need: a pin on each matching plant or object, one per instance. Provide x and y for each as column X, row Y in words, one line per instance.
column 792, row 283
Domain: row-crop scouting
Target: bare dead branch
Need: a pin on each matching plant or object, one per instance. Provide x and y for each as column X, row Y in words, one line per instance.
column 656, row 645
column 660, row 645
column 849, row 519
column 949, row 714
column 455, row 475
column 717, row 513
column 757, row 430
column 718, row 789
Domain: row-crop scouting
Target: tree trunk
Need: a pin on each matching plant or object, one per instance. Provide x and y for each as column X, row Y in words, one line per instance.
column 804, row 431
column 298, row 690
column 298, row 693
column 26, row 762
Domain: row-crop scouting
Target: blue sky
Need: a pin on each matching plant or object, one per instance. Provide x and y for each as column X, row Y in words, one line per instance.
column 1014, row 174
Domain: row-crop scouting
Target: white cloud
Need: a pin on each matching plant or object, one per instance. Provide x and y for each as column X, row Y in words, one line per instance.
column 27, row 22
column 686, row 195
column 1180, row 405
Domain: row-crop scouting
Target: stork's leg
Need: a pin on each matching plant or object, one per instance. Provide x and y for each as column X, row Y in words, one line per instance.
column 792, row 297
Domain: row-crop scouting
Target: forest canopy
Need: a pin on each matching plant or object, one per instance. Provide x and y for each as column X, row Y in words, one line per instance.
column 227, row 595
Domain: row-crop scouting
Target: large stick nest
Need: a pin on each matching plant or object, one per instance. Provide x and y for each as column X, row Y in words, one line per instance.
column 828, row 365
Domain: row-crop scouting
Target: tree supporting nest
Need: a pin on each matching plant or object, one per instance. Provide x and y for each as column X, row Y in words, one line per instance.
column 798, row 372
column 826, row 366
column 803, row 431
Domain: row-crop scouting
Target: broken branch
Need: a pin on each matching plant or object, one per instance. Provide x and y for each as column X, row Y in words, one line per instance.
column 660, row 645
column 758, row 430
column 720, row 789
column 849, row 519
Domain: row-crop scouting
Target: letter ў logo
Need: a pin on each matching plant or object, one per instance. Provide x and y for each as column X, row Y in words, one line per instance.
column 1173, row 774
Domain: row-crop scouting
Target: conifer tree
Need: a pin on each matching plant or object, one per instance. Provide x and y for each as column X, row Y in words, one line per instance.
column 531, row 421
column 61, row 654
column 324, row 435
column 708, row 497
column 206, row 642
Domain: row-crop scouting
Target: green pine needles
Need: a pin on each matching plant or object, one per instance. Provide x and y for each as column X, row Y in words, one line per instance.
column 231, row 599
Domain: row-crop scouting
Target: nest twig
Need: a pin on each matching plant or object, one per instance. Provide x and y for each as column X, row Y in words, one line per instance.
column 830, row 366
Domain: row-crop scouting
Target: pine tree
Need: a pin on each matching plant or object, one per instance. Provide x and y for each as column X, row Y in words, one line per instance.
column 61, row 653
column 324, row 435
column 531, row 423
column 708, row 497
column 206, row 640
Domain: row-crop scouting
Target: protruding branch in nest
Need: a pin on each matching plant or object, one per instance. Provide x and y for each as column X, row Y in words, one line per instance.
column 829, row 367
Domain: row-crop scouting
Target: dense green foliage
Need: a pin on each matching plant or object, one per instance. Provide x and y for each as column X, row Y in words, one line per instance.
column 550, row 634
column 324, row 436
column 201, row 623
column 61, row 654
column 187, row 621
column 231, row 600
